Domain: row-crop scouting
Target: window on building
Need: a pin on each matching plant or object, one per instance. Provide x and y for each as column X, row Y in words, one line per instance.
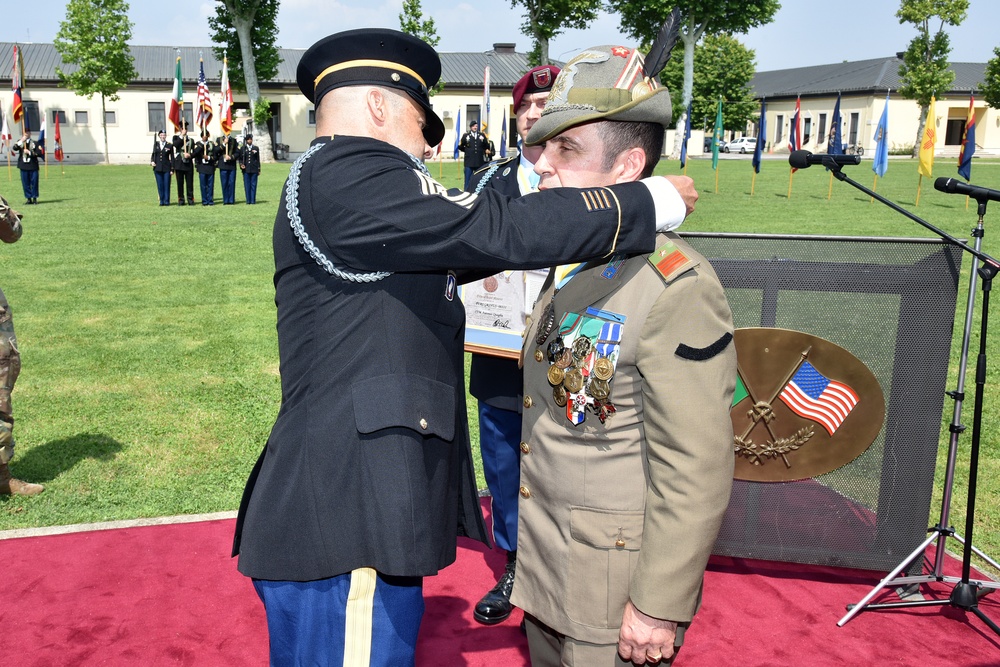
column 472, row 114
column 188, row 115
column 821, row 135
column 32, row 121
column 779, row 129
column 157, row 116
column 81, row 118
column 60, row 114
column 312, row 118
column 853, row 140
column 806, row 130
column 110, row 117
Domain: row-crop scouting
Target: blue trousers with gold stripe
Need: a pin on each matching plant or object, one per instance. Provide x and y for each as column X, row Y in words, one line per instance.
column 359, row 619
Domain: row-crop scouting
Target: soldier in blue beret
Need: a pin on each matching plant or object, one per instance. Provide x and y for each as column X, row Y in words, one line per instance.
column 366, row 479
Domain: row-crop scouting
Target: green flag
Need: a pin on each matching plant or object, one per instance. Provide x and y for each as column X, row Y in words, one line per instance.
column 741, row 391
column 717, row 136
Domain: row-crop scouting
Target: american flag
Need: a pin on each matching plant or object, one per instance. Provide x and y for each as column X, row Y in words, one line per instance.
column 814, row 396
column 204, row 99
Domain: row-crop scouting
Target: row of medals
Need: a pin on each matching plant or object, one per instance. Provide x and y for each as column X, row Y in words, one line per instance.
column 566, row 375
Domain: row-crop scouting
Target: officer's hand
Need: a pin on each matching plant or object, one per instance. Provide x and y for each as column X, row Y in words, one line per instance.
column 644, row 639
column 685, row 188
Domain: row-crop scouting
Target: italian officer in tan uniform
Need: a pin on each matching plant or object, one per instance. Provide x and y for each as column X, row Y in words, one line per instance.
column 629, row 371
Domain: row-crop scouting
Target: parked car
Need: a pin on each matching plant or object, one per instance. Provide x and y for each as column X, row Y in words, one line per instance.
column 708, row 144
column 741, row 145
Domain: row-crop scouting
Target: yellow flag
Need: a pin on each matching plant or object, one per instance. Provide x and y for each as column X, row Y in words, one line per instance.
column 927, row 143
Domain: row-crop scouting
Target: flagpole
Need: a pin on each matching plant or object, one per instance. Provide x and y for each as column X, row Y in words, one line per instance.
column 753, row 182
column 717, row 180
column 829, row 192
column 874, row 188
column 919, row 183
column 791, row 174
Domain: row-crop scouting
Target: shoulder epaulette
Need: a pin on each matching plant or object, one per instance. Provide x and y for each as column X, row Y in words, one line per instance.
column 670, row 261
column 494, row 164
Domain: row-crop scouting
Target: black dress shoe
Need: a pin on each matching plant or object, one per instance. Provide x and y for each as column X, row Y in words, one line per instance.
column 495, row 606
column 180, row 203
column 27, row 201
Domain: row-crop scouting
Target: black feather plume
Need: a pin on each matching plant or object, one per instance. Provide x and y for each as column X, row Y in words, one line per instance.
column 659, row 52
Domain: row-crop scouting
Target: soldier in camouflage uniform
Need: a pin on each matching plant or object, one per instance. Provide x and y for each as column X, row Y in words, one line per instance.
column 10, row 366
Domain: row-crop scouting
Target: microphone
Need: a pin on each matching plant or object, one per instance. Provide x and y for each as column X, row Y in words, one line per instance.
column 805, row 159
column 954, row 186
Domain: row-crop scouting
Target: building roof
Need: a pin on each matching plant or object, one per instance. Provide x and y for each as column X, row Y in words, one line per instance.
column 862, row 76
column 156, row 64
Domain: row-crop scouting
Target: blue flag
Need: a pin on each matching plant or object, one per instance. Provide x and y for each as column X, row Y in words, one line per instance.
column 968, row 143
column 758, row 150
column 835, row 147
column 881, row 162
column 458, row 132
column 687, row 135
column 503, row 135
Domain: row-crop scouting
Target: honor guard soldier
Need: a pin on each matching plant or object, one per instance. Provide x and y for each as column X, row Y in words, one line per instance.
column 28, row 153
column 629, row 369
column 10, row 367
column 475, row 146
column 184, row 165
column 494, row 381
column 366, row 479
column 250, row 166
column 162, row 162
column 206, row 155
column 228, row 152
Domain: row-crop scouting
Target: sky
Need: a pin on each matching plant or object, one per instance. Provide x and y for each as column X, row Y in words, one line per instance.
column 803, row 32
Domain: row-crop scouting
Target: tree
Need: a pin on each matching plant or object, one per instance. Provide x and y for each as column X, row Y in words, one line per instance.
column 924, row 71
column 247, row 30
column 991, row 81
column 411, row 21
column 544, row 19
column 641, row 19
column 94, row 37
column 723, row 68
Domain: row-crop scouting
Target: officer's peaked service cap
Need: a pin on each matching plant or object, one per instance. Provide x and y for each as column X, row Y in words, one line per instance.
column 377, row 57
column 602, row 83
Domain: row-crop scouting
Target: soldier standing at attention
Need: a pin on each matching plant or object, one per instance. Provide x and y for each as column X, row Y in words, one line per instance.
column 250, row 166
column 10, row 367
column 494, row 381
column 28, row 152
column 162, row 162
column 205, row 158
column 183, row 165
column 228, row 152
column 366, row 479
column 475, row 145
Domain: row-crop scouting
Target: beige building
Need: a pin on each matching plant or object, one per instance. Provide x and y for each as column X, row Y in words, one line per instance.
column 863, row 86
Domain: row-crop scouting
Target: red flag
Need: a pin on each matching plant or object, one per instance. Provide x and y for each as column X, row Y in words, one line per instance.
column 226, row 107
column 59, row 150
column 17, row 80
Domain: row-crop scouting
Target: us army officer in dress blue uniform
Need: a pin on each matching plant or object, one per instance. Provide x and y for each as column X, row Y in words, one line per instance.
column 629, row 371
column 367, row 478
column 162, row 162
column 494, row 381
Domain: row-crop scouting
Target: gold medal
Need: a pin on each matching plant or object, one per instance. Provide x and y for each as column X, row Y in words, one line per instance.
column 603, row 369
column 555, row 375
column 565, row 359
column 573, row 381
column 599, row 389
column 559, row 395
column 581, row 348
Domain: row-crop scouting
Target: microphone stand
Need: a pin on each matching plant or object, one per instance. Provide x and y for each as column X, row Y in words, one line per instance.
column 966, row 593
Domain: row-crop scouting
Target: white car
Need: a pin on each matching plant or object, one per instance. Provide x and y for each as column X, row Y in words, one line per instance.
column 741, row 145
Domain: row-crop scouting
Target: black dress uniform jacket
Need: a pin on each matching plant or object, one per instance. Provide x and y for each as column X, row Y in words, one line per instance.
column 220, row 149
column 205, row 157
column 249, row 158
column 369, row 463
column 497, row 380
column 28, row 154
column 162, row 157
column 182, row 145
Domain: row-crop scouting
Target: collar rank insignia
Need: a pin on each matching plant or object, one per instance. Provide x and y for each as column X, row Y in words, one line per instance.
column 670, row 261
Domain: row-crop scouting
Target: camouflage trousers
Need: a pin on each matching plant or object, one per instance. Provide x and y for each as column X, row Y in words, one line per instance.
column 10, row 367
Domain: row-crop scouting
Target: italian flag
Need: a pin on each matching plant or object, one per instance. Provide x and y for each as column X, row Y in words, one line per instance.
column 177, row 99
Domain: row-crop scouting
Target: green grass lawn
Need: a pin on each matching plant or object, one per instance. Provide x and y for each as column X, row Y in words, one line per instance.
column 150, row 377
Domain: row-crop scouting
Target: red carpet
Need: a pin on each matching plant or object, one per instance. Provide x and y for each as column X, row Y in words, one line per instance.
column 170, row 595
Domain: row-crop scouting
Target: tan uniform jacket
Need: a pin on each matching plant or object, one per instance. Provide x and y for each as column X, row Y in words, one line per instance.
column 629, row 509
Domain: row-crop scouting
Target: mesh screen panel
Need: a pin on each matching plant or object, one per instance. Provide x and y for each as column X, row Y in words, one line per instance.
column 891, row 303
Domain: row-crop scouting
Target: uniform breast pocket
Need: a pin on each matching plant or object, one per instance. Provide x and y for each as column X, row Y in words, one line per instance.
column 603, row 552
column 405, row 400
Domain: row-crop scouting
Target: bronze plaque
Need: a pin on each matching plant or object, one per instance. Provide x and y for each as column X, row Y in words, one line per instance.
column 804, row 406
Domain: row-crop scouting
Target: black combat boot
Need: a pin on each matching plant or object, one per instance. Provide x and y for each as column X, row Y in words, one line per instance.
column 495, row 606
